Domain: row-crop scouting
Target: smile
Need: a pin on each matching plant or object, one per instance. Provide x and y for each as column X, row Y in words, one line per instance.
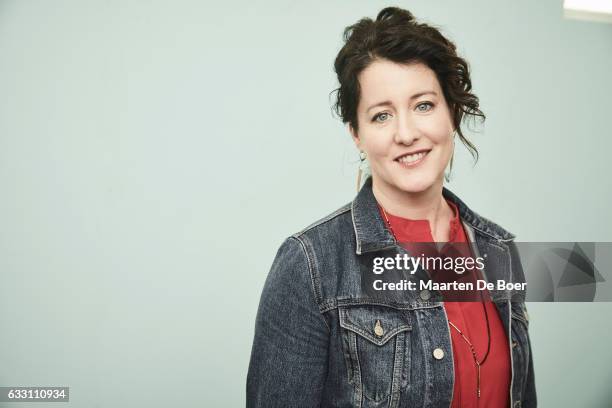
column 412, row 160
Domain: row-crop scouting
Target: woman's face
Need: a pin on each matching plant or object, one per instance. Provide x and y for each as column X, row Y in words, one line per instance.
column 405, row 126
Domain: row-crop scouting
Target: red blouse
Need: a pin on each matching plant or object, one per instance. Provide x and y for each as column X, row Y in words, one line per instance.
column 469, row 317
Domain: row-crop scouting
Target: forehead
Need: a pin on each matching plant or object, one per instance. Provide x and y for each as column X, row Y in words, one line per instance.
column 384, row 79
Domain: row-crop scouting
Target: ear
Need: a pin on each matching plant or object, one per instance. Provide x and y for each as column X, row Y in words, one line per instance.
column 355, row 136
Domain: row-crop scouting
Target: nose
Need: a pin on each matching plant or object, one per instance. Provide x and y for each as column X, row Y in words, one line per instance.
column 406, row 132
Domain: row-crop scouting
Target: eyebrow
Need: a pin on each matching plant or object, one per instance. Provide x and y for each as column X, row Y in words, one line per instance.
column 413, row 97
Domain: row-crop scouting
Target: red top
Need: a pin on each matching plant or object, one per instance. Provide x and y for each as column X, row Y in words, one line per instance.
column 469, row 317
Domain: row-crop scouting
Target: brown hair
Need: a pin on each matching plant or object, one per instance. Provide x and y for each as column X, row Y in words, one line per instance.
column 396, row 36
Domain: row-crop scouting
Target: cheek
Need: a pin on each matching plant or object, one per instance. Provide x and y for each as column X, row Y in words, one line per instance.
column 445, row 147
column 441, row 133
column 377, row 144
column 440, row 127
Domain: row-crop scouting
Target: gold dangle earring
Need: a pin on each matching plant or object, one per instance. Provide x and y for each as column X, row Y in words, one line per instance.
column 447, row 176
column 362, row 158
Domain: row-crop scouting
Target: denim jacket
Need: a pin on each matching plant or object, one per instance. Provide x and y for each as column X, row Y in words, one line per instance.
column 316, row 344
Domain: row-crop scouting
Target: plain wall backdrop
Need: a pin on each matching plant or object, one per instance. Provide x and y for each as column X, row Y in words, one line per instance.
column 155, row 154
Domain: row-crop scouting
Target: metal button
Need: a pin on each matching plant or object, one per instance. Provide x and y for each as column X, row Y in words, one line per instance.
column 425, row 294
column 438, row 354
column 517, row 404
column 378, row 330
column 514, row 344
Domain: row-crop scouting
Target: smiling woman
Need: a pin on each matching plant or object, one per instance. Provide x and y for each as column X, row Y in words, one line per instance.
column 408, row 138
column 321, row 338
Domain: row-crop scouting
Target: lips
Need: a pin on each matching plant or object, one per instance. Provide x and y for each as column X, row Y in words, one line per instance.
column 412, row 158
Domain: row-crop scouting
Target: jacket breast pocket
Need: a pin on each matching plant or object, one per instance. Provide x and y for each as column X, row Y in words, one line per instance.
column 376, row 346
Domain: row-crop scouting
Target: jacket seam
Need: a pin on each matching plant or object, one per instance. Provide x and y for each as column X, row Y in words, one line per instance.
column 313, row 280
column 323, row 220
column 331, row 304
column 355, row 228
column 487, row 227
column 494, row 236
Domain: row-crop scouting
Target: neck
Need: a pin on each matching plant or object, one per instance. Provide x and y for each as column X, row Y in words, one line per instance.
column 427, row 205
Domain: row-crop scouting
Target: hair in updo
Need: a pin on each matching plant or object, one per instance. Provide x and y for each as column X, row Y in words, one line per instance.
column 395, row 35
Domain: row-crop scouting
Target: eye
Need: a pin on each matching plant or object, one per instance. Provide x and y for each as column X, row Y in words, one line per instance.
column 424, row 104
column 381, row 117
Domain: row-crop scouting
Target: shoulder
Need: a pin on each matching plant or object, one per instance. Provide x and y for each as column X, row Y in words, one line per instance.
column 330, row 237
column 490, row 228
column 308, row 256
column 333, row 228
column 479, row 222
column 339, row 215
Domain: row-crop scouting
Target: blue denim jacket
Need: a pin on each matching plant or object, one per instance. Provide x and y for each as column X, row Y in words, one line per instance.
column 316, row 344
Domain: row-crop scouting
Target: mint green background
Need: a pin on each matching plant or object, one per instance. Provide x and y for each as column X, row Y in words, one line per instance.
column 154, row 155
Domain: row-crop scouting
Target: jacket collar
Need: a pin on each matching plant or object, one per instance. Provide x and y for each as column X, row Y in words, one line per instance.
column 371, row 233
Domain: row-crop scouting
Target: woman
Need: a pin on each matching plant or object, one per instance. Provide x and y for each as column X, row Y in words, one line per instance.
column 322, row 338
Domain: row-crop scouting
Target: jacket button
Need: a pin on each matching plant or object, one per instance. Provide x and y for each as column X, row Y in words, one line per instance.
column 438, row 354
column 378, row 330
column 425, row 294
column 517, row 404
column 514, row 344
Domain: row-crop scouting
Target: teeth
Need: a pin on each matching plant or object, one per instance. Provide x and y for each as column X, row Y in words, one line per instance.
column 412, row 158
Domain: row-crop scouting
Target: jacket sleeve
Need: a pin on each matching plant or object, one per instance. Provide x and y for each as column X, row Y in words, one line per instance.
column 530, row 399
column 529, row 396
column 288, row 364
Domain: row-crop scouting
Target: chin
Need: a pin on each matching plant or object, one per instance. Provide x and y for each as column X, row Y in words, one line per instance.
column 415, row 184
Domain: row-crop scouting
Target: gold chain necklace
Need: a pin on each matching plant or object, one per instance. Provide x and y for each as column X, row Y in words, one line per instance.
column 478, row 363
